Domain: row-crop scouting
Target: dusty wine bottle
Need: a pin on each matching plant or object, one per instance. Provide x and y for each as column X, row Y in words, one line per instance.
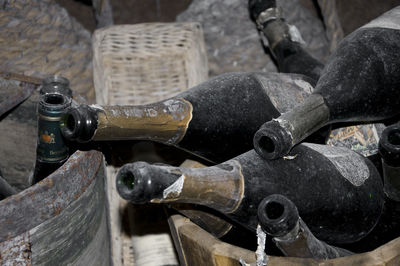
column 284, row 40
column 388, row 226
column 51, row 150
column 279, row 218
column 324, row 182
column 389, row 149
column 204, row 120
column 359, row 84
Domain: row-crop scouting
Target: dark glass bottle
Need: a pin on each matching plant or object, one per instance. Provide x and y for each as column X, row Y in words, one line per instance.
column 359, row 84
column 388, row 227
column 324, row 182
column 389, row 149
column 214, row 120
column 279, row 218
column 51, row 150
column 284, row 45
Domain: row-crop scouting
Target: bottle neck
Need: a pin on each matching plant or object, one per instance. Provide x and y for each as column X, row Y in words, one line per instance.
column 164, row 122
column 276, row 138
column 301, row 242
column 220, row 188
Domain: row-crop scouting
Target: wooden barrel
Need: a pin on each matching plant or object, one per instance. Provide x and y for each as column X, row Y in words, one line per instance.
column 60, row 220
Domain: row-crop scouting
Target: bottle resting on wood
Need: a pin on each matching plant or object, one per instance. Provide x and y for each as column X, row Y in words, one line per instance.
column 338, row 192
column 214, row 120
column 279, row 218
column 360, row 83
column 388, row 226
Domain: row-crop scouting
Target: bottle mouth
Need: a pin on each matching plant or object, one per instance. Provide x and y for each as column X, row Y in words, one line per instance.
column 54, row 99
column 277, row 215
column 126, row 183
column 274, row 210
column 271, row 141
column 54, row 102
column 389, row 145
column 394, row 137
column 266, row 144
column 70, row 124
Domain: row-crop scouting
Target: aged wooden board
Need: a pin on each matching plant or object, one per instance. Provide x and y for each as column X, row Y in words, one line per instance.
column 61, row 219
column 18, row 142
column 13, row 92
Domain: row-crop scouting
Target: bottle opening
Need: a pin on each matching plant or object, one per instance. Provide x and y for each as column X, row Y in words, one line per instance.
column 54, row 99
column 267, row 144
column 70, row 123
column 128, row 179
column 394, row 137
column 274, row 210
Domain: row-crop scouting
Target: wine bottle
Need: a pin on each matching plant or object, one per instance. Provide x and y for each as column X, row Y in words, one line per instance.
column 324, row 182
column 279, row 218
column 284, row 40
column 388, row 226
column 389, row 149
column 214, row 120
column 359, row 84
column 51, row 151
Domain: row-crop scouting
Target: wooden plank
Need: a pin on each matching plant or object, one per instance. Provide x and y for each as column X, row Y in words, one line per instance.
column 197, row 247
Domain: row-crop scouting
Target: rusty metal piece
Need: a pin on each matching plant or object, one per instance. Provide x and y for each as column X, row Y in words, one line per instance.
column 16, row 252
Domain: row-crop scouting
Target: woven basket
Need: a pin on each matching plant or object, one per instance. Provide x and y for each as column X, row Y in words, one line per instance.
column 143, row 63
column 139, row 64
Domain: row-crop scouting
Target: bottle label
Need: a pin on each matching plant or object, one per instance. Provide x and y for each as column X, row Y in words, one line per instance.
column 294, row 91
column 351, row 165
column 51, row 146
column 220, row 187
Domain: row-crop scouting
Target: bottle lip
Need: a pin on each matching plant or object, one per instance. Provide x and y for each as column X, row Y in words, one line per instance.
column 277, row 215
column 70, row 124
column 54, row 101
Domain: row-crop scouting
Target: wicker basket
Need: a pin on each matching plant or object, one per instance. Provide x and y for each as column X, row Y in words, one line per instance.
column 139, row 64
column 143, row 63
